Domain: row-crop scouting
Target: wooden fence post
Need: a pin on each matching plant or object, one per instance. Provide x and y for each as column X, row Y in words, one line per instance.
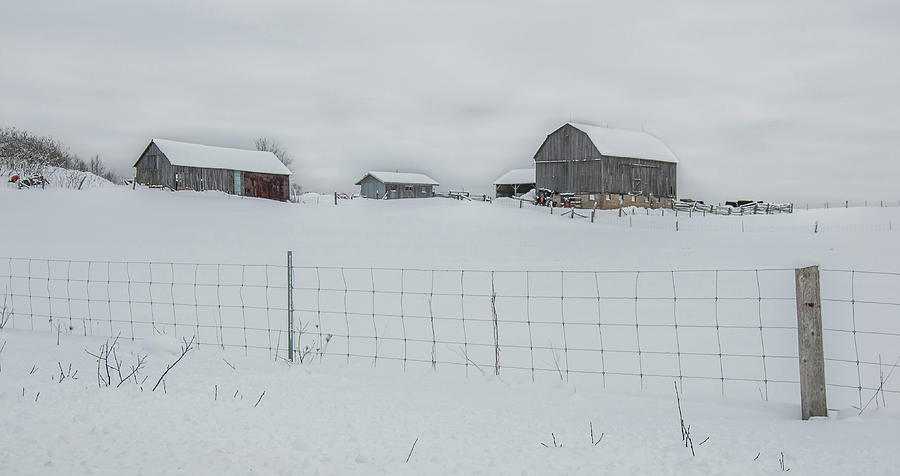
column 809, row 339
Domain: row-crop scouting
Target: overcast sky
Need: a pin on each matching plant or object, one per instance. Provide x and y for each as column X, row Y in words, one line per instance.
column 770, row 100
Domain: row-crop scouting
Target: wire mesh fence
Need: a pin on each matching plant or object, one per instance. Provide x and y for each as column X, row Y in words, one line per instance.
column 666, row 219
column 728, row 332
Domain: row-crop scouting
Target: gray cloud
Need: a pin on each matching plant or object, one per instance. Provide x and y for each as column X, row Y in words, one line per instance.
column 778, row 100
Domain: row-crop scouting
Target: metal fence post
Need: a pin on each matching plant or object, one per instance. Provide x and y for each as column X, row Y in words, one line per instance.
column 290, row 306
column 809, row 336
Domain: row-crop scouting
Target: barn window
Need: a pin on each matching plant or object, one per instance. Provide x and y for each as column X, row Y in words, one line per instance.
column 423, row 191
column 408, row 188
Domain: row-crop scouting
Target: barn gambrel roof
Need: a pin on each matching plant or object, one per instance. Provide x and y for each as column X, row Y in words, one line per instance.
column 627, row 143
column 212, row 157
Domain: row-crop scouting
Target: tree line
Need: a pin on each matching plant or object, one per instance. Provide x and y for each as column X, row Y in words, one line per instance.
column 29, row 154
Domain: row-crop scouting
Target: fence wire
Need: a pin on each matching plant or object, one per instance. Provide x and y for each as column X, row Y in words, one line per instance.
column 728, row 332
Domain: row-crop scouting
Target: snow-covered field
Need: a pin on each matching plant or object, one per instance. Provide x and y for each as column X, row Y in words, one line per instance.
column 326, row 418
column 330, row 416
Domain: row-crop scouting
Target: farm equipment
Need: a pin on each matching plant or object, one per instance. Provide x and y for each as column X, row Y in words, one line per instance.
column 28, row 182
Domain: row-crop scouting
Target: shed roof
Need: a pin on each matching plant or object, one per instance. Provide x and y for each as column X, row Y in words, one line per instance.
column 400, row 177
column 627, row 143
column 516, row 176
column 212, row 157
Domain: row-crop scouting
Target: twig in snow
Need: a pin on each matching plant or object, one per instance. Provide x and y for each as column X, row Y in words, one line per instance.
column 704, row 441
column 881, row 386
column 229, row 364
column 278, row 345
column 135, row 369
column 685, row 430
column 555, row 355
column 757, row 456
column 555, row 444
column 595, row 443
column 260, row 399
column 66, row 374
column 216, row 395
column 781, row 463
column 235, row 394
column 184, row 350
column 462, row 353
column 411, row 450
column 4, row 313
column 33, row 368
column 36, row 396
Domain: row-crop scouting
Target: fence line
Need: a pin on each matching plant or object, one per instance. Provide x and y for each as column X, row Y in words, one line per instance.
column 665, row 219
column 722, row 331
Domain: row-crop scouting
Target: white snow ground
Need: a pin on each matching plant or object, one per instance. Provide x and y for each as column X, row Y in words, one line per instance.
column 144, row 224
column 331, row 417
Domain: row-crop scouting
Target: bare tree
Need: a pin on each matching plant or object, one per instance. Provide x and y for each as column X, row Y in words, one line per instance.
column 28, row 154
column 271, row 145
column 96, row 167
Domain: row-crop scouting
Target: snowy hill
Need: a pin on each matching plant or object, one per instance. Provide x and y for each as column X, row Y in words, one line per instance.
column 397, row 299
column 58, row 177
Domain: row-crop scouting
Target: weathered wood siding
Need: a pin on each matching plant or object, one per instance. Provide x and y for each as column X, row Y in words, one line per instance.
column 154, row 168
column 638, row 176
column 566, row 143
column 568, row 162
column 370, row 187
column 408, row 190
column 196, row 178
column 275, row 187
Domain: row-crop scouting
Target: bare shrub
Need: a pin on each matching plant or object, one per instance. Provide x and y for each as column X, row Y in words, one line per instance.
column 111, row 369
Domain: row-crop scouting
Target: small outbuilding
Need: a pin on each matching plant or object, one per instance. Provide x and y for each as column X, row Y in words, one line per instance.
column 514, row 183
column 396, row 185
column 186, row 166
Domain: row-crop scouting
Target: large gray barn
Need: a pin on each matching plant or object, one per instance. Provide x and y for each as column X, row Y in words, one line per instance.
column 396, row 185
column 181, row 165
column 583, row 159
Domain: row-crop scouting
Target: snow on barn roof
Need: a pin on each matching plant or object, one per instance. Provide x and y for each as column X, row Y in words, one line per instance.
column 212, row 157
column 627, row 143
column 400, row 177
column 516, row 176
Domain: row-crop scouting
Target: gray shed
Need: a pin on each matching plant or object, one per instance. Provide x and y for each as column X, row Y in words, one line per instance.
column 514, row 183
column 396, row 185
column 186, row 166
column 584, row 159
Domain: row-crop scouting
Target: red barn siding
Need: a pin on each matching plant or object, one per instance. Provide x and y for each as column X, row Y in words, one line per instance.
column 275, row 187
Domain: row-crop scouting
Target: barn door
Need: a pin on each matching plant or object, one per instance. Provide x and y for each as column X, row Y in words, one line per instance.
column 637, row 186
column 238, row 188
